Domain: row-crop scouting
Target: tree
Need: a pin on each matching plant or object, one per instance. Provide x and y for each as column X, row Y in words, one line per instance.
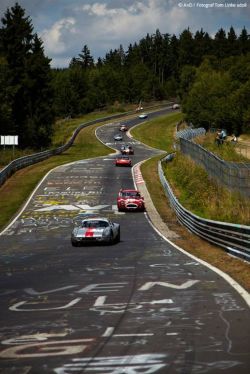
column 67, row 101
column 16, row 43
column 186, row 48
column 244, row 42
column 85, row 59
column 6, row 97
column 233, row 45
column 40, row 116
column 202, row 46
column 28, row 80
column 187, row 78
column 220, row 44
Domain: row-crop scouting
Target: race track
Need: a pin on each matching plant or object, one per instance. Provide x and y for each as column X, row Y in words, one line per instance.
column 138, row 306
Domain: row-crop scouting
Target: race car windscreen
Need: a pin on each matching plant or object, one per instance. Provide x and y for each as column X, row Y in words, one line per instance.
column 94, row 224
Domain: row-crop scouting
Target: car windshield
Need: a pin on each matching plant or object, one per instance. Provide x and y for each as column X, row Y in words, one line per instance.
column 130, row 194
column 94, row 224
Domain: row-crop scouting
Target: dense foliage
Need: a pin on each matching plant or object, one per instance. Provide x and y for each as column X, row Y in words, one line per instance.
column 25, row 78
column 218, row 95
column 210, row 76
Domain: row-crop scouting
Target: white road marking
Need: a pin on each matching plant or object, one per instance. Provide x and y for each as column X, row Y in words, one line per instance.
column 56, row 348
column 142, row 363
column 103, row 287
column 184, row 285
column 15, row 307
column 31, row 291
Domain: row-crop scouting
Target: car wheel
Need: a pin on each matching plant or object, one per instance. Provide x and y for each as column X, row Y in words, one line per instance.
column 111, row 238
column 74, row 244
column 118, row 238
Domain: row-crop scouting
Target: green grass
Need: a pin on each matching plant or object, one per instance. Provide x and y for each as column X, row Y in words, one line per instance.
column 17, row 188
column 158, row 133
column 202, row 195
column 62, row 131
column 190, row 182
column 226, row 151
column 236, row 268
column 195, row 191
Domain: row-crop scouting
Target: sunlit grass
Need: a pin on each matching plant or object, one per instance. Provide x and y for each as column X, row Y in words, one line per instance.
column 226, row 151
column 62, row 132
column 17, row 188
column 195, row 190
column 159, row 132
column 198, row 194
column 202, row 195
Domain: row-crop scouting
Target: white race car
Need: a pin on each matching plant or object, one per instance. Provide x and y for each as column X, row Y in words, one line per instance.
column 95, row 230
column 143, row 115
column 118, row 137
column 176, row 106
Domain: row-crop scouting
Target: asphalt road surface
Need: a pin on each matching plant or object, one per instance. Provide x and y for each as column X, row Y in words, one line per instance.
column 139, row 306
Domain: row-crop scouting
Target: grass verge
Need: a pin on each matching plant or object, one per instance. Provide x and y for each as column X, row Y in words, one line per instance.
column 63, row 130
column 159, row 132
column 200, row 194
column 226, row 151
column 17, row 189
column 236, row 268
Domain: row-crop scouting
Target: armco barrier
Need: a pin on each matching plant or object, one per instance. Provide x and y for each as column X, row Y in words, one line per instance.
column 232, row 237
column 22, row 162
column 190, row 133
column 233, row 175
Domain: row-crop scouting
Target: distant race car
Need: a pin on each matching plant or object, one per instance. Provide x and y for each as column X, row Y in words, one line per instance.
column 123, row 161
column 130, row 200
column 176, row 106
column 123, row 128
column 127, row 150
column 143, row 115
column 118, row 137
column 95, row 230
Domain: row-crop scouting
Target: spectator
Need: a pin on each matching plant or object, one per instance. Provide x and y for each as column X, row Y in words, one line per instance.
column 234, row 139
column 223, row 134
column 219, row 138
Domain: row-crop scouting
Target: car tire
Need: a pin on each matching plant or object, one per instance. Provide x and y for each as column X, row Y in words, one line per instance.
column 74, row 244
column 118, row 238
column 111, row 238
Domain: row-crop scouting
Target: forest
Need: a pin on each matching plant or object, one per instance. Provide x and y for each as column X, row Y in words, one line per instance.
column 209, row 76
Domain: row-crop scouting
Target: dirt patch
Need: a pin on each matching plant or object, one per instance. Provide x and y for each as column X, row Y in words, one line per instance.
column 243, row 148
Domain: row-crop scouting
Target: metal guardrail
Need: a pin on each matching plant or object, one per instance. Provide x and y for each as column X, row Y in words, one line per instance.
column 233, row 175
column 22, row 162
column 190, row 133
column 232, row 237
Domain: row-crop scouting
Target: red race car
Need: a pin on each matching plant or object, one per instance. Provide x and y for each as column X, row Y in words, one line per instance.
column 130, row 200
column 123, row 161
